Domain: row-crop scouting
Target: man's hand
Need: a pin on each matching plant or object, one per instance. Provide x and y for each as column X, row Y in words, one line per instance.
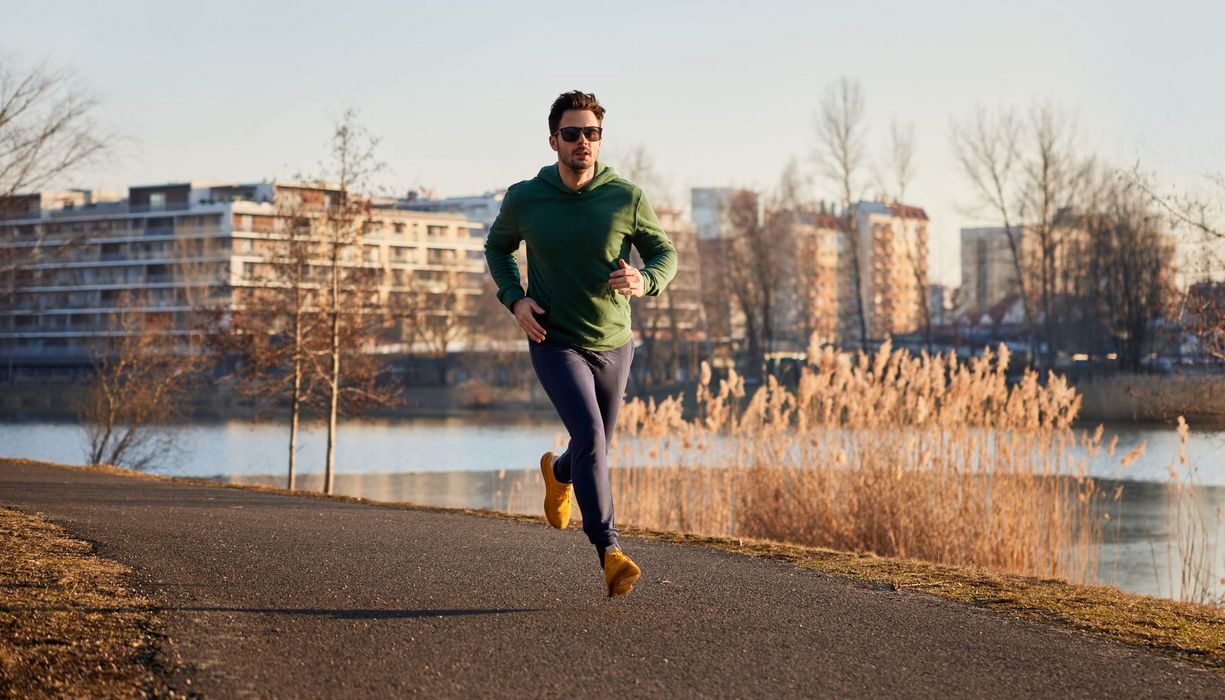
column 626, row 280
column 525, row 311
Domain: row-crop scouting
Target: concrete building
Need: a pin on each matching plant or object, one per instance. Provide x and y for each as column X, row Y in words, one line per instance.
column 988, row 273
column 891, row 240
column 811, row 297
column 671, row 327
column 482, row 209
column 715, row 241
column 180, row 246
column 940, row 303
column 708, row 206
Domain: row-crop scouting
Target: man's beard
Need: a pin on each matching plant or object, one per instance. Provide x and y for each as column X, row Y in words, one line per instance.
column 578, row 166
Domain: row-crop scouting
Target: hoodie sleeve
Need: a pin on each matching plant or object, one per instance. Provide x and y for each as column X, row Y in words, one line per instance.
column 502, row 253
column 658, row 253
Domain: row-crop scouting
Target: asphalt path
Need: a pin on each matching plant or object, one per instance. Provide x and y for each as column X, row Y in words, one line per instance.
column 269, row 595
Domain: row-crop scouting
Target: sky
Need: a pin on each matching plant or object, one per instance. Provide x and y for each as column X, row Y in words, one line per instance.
column 717, row 93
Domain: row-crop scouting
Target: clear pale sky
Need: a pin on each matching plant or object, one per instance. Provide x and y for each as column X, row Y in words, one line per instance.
column 718, row 93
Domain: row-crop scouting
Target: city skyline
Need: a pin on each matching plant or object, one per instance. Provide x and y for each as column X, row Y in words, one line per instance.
column 717, row 95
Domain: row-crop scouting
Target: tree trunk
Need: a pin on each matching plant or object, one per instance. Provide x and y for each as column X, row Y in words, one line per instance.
column 334, row 376
column 294, row 408
column 856, row 275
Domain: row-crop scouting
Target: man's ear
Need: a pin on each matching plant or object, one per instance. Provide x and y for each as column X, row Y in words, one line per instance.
column 553, row 142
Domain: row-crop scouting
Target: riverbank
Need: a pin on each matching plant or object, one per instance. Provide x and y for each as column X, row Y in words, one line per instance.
column 59, row 402
column 1151, row 398
column 1191, row 633
column 70, row 626
column 1135, row 399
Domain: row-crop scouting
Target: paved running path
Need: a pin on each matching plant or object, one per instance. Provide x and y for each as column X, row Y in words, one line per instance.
column 275, row 596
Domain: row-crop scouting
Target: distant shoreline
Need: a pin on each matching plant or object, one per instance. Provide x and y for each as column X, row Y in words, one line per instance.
column 1140, row 401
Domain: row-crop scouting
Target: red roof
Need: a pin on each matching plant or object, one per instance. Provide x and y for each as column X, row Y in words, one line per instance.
column 908, row 212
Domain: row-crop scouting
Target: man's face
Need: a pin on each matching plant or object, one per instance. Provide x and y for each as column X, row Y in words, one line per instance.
column 580, row 155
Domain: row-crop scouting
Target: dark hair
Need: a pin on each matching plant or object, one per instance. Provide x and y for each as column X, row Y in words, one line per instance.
column 575, row 99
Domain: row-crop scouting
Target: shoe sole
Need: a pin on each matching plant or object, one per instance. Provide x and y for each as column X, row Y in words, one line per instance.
column 546, row 466
column 623, row 585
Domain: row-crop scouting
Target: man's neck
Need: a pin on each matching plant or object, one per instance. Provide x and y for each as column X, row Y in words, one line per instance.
column 575, row 180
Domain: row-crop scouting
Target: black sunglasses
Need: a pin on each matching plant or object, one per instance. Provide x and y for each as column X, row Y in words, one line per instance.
column 569, row 134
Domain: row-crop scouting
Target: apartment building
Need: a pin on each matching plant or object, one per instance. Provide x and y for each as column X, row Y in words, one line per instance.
column 176, row 247
column 891, row 240
column 988, row 273
column 811, row 297
column 482, row 209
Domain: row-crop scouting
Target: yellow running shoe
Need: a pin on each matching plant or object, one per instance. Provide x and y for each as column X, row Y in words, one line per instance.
column 620, row 572
column 556, row 494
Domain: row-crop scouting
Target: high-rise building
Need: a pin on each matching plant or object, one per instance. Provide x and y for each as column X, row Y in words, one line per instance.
column 810, row 298
column 891, row 240
column 172, row 248
column 988, row 272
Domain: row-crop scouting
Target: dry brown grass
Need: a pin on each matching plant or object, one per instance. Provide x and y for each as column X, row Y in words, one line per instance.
column 68, row 625
column 1195, row 532
column 921, row 457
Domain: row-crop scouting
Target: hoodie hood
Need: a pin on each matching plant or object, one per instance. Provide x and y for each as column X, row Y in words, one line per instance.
column 603, row 175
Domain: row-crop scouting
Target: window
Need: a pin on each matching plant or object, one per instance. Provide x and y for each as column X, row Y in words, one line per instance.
column 157, row 201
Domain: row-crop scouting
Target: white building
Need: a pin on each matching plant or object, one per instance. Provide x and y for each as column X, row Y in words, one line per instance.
column 480, row 208
column 179, row 247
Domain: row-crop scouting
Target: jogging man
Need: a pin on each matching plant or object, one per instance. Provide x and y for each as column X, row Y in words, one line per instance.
column 579, row 220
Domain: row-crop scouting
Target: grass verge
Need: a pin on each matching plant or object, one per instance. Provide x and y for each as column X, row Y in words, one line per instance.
column 1192, row 633
column 69, row 627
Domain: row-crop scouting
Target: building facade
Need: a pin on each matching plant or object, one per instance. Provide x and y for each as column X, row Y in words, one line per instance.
column 671, row 327
column 988, row 272
column 891, row 242
column 482, row 209
column 172, row 249
column 811, row 296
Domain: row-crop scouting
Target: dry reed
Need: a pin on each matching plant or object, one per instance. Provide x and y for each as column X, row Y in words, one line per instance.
column 925, row 457
column 1195, row 531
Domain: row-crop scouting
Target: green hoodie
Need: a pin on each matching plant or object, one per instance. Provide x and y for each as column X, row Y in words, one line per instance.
column 574, row 239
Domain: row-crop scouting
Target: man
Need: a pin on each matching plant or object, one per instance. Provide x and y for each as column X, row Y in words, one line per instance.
column 579, row 220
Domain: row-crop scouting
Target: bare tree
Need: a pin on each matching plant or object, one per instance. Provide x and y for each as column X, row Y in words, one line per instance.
column 1131, row 265
column 988, row 146
column 275, row 328
column 900, row 168
column 46, row 127
column 440, row 309
column 47, row 131
column 143, row 371
column 350, row 299
column 752, row 273
column 657, row 319
column 840, row 138
column 1055, row 177
column 1200, row 216
column 637, row 165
